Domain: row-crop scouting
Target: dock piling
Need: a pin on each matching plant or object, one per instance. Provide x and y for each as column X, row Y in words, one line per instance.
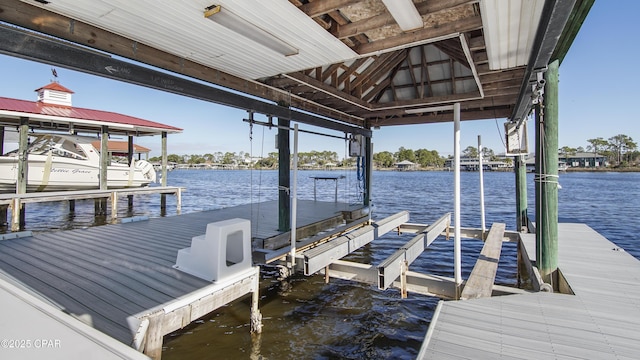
column 547, row 178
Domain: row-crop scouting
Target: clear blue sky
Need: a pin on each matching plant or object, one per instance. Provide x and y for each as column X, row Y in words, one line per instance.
column 598, row 92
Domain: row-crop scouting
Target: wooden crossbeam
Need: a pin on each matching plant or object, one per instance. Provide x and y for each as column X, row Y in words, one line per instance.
column 483, row 275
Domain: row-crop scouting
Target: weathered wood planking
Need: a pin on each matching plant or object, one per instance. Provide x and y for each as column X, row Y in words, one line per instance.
column 483, row 275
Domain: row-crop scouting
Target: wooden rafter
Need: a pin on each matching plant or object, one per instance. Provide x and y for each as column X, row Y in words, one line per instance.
column 423, row 35
column 305, row 79
column 382, row 71
column 317, row 8
column 384, row 19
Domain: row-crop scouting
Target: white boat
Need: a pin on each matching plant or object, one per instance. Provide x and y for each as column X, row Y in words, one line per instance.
column 59, row 162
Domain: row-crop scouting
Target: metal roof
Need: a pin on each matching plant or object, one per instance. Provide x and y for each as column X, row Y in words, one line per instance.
column 345, row 59
column 55, row 117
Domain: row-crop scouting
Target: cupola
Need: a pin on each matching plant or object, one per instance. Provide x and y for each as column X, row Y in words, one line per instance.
column 54, row 94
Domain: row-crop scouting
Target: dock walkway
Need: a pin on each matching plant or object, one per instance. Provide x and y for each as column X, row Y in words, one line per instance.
column 601, row 321
column 107, row 274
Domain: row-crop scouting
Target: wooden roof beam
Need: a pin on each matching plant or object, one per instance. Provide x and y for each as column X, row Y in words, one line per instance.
column 328, row 89
column 442, row 117
column 512, row 74
column 467, row 105
column 352, row 69
column 330, row 71
column 398, row 58
column 377, row 63
column 317, row 8
column 423, row 35
column 364, row 25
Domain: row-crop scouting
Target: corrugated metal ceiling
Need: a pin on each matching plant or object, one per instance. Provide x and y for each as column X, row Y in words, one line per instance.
column 180, row 28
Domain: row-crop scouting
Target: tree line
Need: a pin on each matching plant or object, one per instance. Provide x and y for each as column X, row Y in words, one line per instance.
column 620, row 150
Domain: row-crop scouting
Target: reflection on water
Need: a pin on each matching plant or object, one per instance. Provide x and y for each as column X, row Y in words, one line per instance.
column 303, row 317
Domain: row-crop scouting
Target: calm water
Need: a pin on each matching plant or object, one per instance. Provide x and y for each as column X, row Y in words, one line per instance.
column 306, row 319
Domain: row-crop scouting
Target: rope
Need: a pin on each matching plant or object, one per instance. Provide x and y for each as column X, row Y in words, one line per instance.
column 546, row 178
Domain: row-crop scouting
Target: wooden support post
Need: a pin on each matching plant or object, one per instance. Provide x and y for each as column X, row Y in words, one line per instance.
column 284, row 176
column 153, row 341
column 23, row 172
column 72, row 206
column 101, row 203
column 114, row 206
column 16, row 218
column 404, row 267
column 256, row 316
column 163, row 197
column 130, row 151
column 178, row 200
column 326, row 274
column 3, row 208
column 522, row 219
column 547, row 179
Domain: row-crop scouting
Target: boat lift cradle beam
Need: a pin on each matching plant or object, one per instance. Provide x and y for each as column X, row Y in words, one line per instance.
column 318, row 258
column 391, row 268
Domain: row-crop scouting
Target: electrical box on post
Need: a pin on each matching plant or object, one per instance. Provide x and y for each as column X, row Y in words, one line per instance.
column 356, row 145
column 516, row 136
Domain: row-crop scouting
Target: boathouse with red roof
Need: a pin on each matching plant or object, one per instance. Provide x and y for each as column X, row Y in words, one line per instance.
column 53, row 111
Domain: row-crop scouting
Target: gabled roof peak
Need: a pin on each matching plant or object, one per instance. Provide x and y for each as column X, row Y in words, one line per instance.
column 55, row 86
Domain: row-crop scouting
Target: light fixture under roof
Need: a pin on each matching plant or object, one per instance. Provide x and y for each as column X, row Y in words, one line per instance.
column 405, row 14
column 248, row 30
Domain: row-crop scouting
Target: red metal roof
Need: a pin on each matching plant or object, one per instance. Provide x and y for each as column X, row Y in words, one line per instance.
column 39, row 108
column 55, row 86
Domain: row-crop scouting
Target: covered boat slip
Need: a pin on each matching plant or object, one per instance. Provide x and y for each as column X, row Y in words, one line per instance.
column 600, row 321
column 116, row 276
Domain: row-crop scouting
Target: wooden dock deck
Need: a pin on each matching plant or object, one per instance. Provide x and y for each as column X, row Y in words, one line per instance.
column 108, row 274
column 601, row 321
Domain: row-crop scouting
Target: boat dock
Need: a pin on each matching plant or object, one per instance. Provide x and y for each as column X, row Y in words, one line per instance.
column 120, row 278
column 599, row 318
column 15, row 201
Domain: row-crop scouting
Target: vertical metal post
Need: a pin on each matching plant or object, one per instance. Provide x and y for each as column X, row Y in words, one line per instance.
column 481, row 172
column 522, row 219
column 457, row 254
column 368, row 171
column 294, row 197
column 547, row 223
column 284, row 167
